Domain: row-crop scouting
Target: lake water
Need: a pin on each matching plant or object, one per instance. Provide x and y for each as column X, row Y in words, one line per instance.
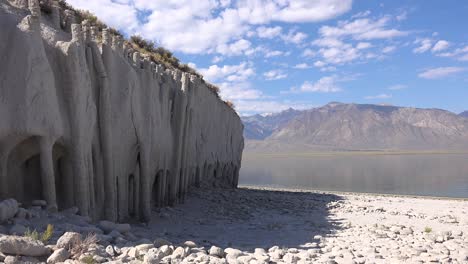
column 443, row 175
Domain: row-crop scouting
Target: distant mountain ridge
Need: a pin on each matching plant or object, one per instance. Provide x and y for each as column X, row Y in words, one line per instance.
column 339, row 126
column 464, row 114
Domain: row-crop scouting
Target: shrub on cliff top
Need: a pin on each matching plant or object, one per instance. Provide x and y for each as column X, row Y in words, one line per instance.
column 158, row 55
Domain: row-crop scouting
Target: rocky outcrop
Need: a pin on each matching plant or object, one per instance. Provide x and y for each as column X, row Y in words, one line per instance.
column 87, row 122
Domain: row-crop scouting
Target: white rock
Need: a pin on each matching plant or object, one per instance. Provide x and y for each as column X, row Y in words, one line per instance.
column 68, row 240
column 179, row 253
column 216, row 251
column 59, row 255
column 153, row 256
column 166, row 250
column 24, row 246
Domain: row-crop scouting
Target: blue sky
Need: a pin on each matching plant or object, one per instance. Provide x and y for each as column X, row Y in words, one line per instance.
column 269, row 55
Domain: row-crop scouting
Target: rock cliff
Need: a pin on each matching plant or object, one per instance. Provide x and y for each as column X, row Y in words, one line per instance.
column 87, row 122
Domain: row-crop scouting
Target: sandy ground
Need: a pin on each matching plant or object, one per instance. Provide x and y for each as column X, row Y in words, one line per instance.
column 262, row 226
column 362, row 228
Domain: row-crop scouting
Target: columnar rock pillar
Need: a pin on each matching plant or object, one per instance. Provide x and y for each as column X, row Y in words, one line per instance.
column 47, row 173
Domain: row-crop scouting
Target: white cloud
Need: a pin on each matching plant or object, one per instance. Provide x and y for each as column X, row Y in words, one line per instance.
column 294, row 37
column 121, row 15
column 336, row 43
column 235, row 48
column 398, row 87
column 274, row 53
column 362, row 29
column 440, row 45
column 268, row 32
column 239, row 91
column 379, row 96
column 326, row 84
column 240, row 72
column 424, row 45
column 388, row 49
column 308, row 53
column 213, row 26
column 363, row 45
column 302, row 66
column 460, row 54
column 441, row 72
column 274, row 75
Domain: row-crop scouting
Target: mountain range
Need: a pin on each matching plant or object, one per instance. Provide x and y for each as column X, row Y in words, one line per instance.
column 340, row 126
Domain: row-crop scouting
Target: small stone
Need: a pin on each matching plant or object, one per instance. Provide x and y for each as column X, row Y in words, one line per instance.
column 166, row 250
column 317, row 237
column 113, row 250
column 290, row 258
column 59, row 255
column 216, row 251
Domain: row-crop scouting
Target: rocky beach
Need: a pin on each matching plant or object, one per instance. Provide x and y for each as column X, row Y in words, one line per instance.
column 251, row 225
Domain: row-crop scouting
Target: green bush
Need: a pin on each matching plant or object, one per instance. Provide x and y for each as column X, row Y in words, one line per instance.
column 44, row 236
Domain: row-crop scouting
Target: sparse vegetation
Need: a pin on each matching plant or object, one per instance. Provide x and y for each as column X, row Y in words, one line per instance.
column 44, row 236
column 427, row 229
column 147, row 48
column 88, row 259
column 82, row 246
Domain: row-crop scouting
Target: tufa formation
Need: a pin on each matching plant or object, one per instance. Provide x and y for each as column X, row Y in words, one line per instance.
column 87, row 121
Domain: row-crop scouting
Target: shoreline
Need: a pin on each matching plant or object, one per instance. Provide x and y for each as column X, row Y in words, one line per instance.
column 316, row 191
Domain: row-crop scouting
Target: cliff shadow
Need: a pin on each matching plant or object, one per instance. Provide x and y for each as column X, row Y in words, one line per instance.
column 247, row 218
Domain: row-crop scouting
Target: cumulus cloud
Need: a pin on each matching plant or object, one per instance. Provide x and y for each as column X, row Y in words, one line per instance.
column 460, row 54
column 274, row 75
column 240, row 72
column 268, row 32
column 350, row 41
column 327, row 84
column 440, row 45
column 363, row 29
column 441, row 72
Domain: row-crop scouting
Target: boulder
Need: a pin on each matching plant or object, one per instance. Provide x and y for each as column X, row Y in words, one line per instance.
column 107, row 226
column 153, row 256
column 68, row 240
column 8, row 209
column 20, row 260
column 59, row 255
column 123, row 228
column 216, row 251
column 23, row 246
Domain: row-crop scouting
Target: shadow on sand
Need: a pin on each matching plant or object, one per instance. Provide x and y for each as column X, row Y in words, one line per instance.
column 248, row 218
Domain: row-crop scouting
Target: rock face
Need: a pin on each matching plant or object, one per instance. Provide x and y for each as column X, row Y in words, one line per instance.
column 88, row 123
column 338, row 126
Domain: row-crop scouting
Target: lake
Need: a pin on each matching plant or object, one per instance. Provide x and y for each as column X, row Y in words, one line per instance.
column 427, row 174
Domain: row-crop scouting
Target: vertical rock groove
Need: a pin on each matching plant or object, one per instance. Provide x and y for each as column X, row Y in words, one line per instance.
column 98, row 126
